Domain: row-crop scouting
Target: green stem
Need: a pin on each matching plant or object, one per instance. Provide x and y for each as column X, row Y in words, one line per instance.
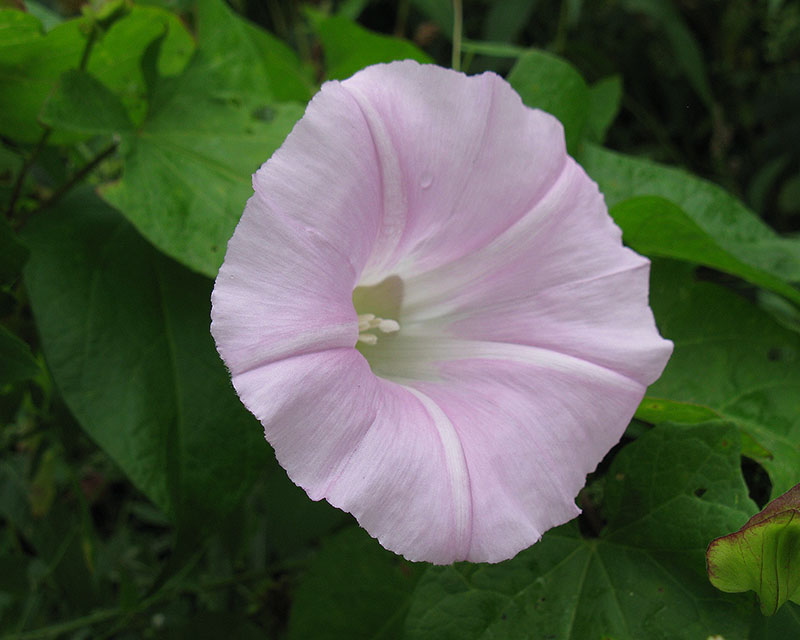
column 560, row 42
column 458, row 27
column 23, row 172
column 80, row 175
column 401, row 18
column 87, row 49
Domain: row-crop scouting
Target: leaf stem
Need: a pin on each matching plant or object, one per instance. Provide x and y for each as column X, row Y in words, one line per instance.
column 560, row 41
column 458, row 27
column 23, row 171
column 87, row 48
column 401, row 18
column 80, row 175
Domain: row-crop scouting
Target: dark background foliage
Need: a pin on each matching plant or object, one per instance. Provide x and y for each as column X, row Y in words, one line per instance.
column 114, row 520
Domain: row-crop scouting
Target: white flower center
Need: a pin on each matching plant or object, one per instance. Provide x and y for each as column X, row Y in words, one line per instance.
column 383, row 301
column 368, row 322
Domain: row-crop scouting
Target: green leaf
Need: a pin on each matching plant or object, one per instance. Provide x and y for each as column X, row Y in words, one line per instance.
column 12, row 253
column 496, row 49
column 82, row 104
column 657, row 227
column 16, row 360
column 667, row 494
column 605, row 97
column 30, row 64
column 353, row 589
column 547, row 82
column 351, row 9
column 349, row 47
column 187, row 169
column 732, row 226
column 16, row 27
column 506, row 20
column 735, row 360
column 125, row 333
column 116, row 58
column 656, row 410
column 763, row 556
column 247, row 58
column 47, row 17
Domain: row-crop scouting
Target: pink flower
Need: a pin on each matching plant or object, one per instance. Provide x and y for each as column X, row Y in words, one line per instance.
column 430, row 311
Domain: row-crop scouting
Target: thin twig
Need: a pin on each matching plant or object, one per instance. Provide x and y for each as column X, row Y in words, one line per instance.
column 80, row 175
column 23, row 172
column 458, row 26
column 401, row 18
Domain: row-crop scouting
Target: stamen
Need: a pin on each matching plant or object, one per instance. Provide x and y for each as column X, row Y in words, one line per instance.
column 368, row 322
column 388, row 326
column 364, row 321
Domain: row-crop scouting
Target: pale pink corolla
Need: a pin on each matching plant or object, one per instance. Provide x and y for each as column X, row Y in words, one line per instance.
column 429, row 309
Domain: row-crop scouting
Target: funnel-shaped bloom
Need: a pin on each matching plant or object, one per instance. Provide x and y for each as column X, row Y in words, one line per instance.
column 430, row 311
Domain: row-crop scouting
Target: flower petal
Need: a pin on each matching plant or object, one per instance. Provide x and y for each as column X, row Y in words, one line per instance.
column 473, row 466
column 326, row 176
column 559, row 278
column 461, row 160
column 282, row 290
column 369, row 446
column 532, row 423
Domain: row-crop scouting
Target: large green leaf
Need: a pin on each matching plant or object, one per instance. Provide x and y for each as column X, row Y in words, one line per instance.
column 81, row 103
column 733, row 227
column 353, row 589
column 349, row 47
column 667, row 494
column 187, row 169
column 125, row 332
column 657, row 227
column 550, row 83
column 733, row 359
column 30, row 63
column 116, row 58
column 248, row 59
column 605, row 98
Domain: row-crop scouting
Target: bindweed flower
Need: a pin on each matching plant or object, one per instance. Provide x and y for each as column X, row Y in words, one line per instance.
column 429, row 309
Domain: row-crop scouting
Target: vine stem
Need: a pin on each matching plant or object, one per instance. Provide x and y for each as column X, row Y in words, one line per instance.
column 458, row 27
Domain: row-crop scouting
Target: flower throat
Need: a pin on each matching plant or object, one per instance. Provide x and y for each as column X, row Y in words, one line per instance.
column 378, row 307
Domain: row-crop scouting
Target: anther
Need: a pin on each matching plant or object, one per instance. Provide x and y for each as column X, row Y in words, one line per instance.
column 369, row 321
